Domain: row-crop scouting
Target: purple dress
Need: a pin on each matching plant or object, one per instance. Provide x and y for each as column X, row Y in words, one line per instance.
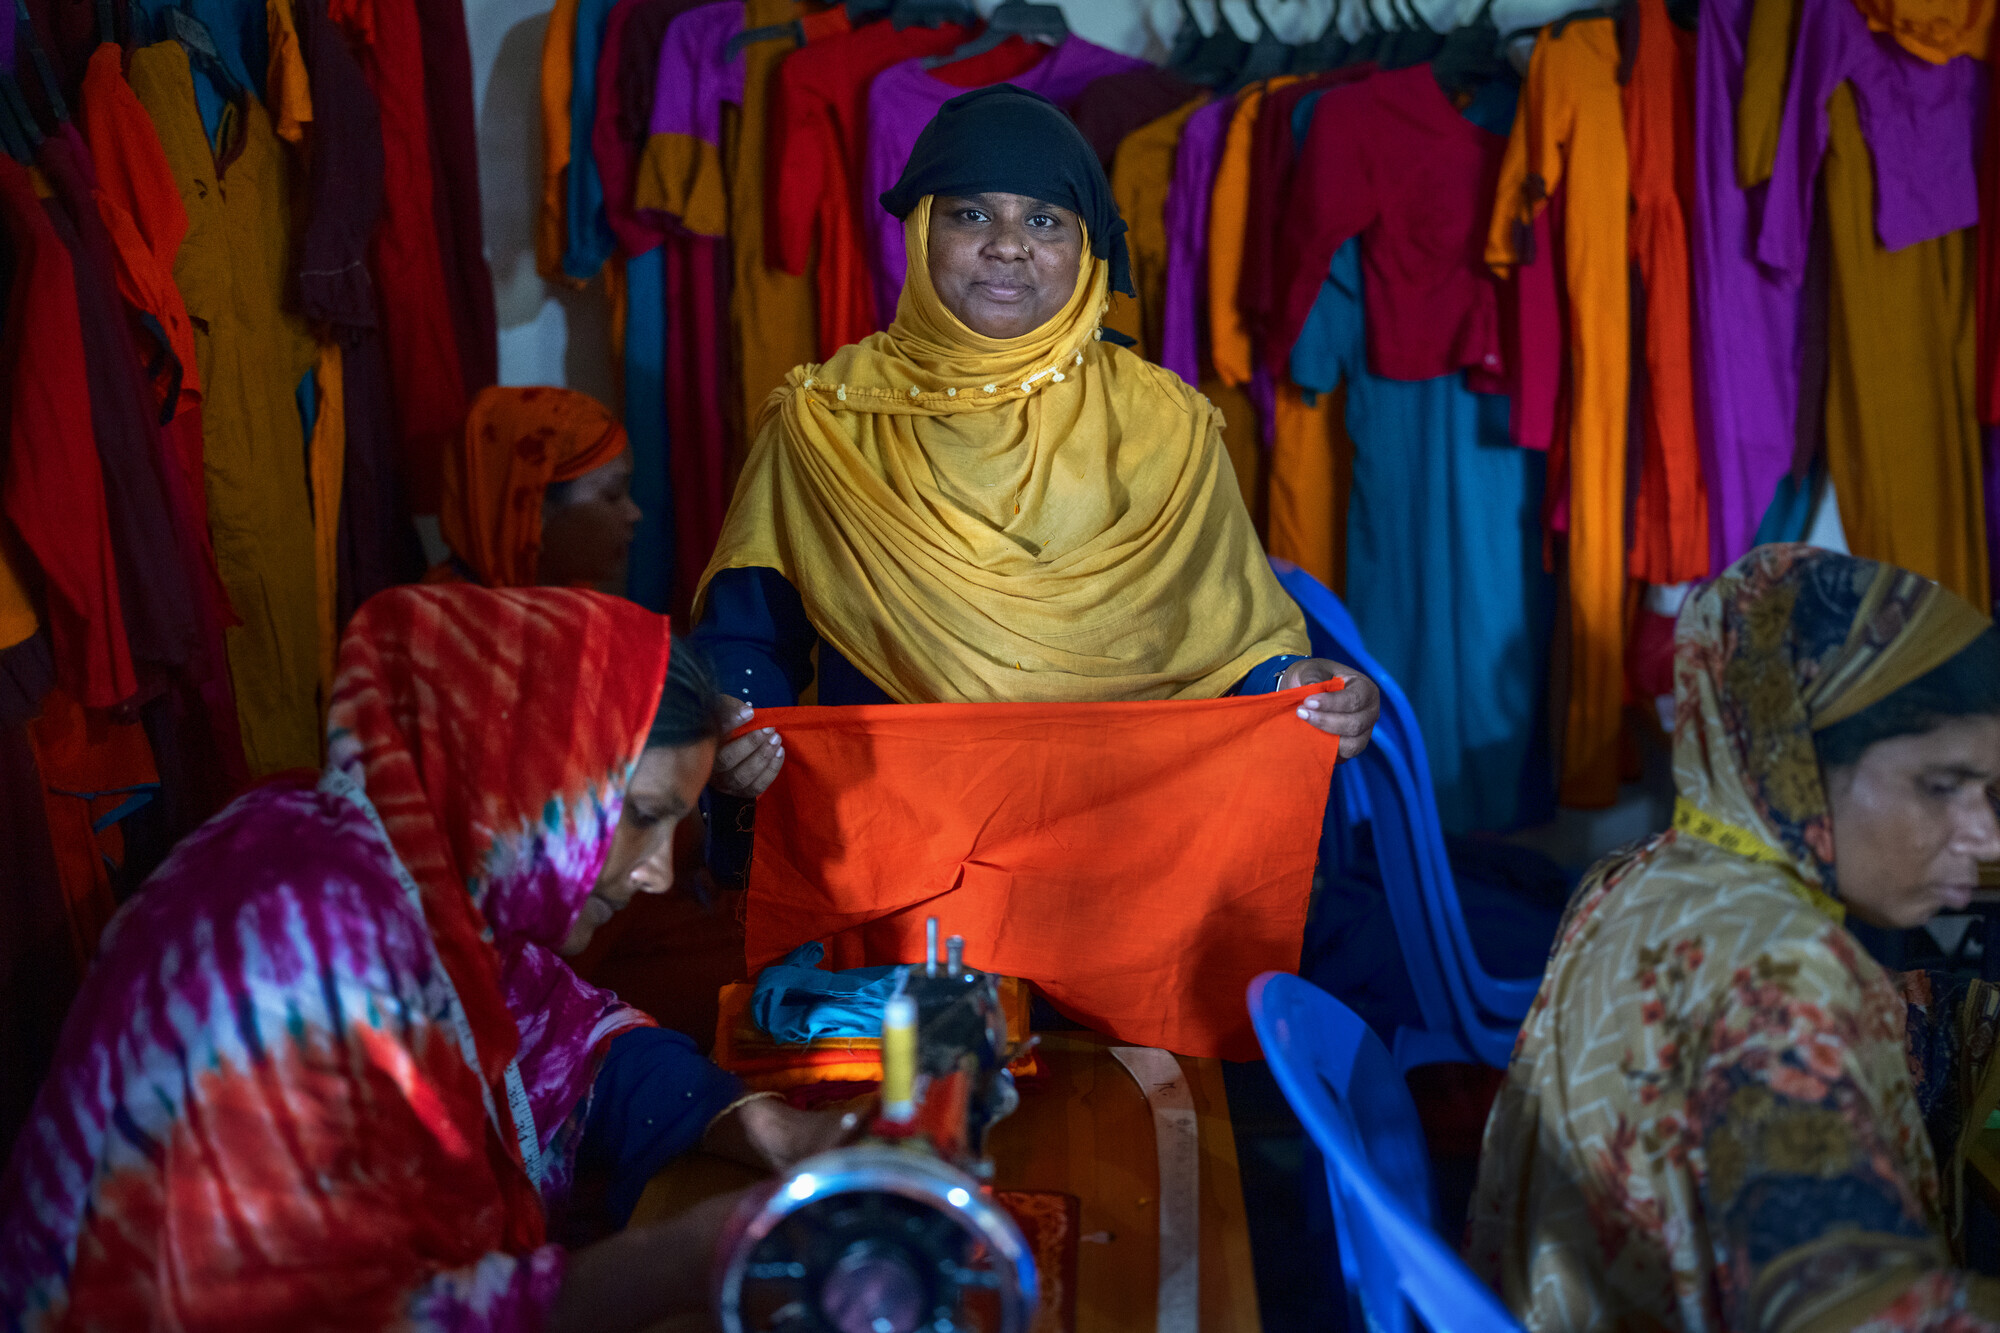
column 1195, row 163
column 1746, row 319
column 902, row 101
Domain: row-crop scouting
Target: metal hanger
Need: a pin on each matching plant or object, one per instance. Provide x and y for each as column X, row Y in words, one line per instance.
column 1014, row 18
column 1266, row 56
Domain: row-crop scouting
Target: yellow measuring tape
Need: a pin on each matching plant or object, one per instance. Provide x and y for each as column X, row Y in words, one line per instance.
column 1742, row 842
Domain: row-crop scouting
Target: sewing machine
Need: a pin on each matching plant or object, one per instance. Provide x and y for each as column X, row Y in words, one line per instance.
column 897, row 1233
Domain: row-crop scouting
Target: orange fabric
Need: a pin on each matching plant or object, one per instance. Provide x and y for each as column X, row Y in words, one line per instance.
column 1140, row 862
column 1228, row 225
column 1312, row 473
column 1670, row 528
column 1935, row 30
column 1140, row 174
column 558, row 77
column 516, row 442
column 90, row 767
column 1239, row 440
column 17, row 613
column 288, row 88
column 1570, row 131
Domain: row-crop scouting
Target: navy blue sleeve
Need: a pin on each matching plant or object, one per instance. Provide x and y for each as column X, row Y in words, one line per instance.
column 754, row 629
column 652, row 1100
column 1263, row 678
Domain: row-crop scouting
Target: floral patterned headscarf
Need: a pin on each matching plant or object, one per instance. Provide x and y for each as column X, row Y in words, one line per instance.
column 1787, row 642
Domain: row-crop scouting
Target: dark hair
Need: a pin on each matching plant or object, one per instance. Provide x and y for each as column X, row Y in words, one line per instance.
column 557, row 494
column 691, row 707
column 1966, row 685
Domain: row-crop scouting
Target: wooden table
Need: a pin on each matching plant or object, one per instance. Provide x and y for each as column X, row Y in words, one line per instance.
column 1087, row 1130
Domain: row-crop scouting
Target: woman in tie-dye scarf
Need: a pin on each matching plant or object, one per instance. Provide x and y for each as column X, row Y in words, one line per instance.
column 331, row 1070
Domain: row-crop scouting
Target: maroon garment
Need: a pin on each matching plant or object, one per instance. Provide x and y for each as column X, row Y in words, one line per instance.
column 618, row 155
column 1117, row 104
column 1274, row 156
column 638, row 76
column 455, row 196
column 153, row 557
column 52, row 490
column 377, row 547
column 697, row 297
column 1532, row 341
column 1391, row 160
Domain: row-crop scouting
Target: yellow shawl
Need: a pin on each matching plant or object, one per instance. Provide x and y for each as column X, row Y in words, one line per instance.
column 1041, row 518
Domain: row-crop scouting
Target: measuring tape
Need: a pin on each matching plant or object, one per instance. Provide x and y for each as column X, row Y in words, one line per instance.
column 1698, row 823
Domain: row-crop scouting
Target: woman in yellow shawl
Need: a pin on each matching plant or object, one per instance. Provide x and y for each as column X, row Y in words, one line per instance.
column 991, row 501
column 538, row 491
column 1714, row 1117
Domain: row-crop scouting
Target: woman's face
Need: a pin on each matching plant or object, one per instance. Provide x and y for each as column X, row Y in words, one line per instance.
column 1912, row 819
column 664, row 789
column 585, row 537
column 1005, row 264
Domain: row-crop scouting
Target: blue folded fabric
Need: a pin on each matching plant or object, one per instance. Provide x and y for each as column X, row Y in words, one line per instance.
column 797, row 1001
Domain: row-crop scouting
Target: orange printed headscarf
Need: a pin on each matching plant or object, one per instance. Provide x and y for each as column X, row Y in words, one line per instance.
column 515, row 443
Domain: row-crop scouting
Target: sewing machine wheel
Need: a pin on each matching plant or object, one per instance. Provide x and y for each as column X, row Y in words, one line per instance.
column 874, row 1239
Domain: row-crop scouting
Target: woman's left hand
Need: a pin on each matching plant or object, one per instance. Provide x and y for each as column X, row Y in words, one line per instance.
column 1348, row 713
column 771, row 1134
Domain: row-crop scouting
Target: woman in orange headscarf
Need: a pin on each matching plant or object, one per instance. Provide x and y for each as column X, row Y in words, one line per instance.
column 538, row 491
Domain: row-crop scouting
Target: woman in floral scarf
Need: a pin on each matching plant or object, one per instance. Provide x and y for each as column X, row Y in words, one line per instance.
column 1711, row 1121
column 331, row 1070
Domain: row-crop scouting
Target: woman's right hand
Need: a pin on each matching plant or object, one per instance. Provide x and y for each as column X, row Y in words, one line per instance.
column 746, row 767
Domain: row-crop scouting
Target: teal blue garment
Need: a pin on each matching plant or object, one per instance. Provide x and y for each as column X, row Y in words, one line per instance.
column 1791, row 512
column 242, row 33
column 1444, row 564
column 649, row 570
column 795, row 1001
column 590, row 241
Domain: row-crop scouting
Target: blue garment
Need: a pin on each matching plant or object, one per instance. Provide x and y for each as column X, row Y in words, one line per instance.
column 796, row 1000
column 651, row 1102
column 1444, row 567
column 590, row 239
column 649, row 576
column 242, row 33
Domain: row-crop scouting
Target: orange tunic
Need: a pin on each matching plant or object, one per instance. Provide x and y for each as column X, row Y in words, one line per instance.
column 1312, row 474
column 1195, row 812
column 1570, row 131
column 1141, row 171
column 1670, row 530
column 1228, row 225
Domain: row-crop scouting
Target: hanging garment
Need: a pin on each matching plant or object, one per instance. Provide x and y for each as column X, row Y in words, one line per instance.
column 418, row 330
column 814, row 203
column 1570, row 132
column 588, row 242
column 558, row 78
column 17, row 610
column 1391, row 160
column 1935, row 30
column 1444, row 568
column 1902, row 439
column 1228, row 222
column 1114, row 107
column 53, row 487
column 233, row 270
column 287, row 85
column 343, row 202
column 615, row 154
column 1746, row 318
column 771, row 319
column 881, row 817
column 1141, row 172
column 1310, row 479
column 1900, row 370
column 448, row 108
column 1988, row 296
column 1670, row 542
column 902, row 101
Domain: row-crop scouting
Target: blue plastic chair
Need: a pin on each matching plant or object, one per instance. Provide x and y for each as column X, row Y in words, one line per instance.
column 1468, row 1013
column 1349, row 1095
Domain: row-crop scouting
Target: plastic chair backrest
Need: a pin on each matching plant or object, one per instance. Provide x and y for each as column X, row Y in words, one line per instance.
column 1426, row 910
column 1483, row 997
column 1346, row 1091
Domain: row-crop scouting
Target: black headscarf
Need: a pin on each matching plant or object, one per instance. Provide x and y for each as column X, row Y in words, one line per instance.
column 1012, row 141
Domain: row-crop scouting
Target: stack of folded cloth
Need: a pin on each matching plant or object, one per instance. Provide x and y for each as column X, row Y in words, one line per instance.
column 798, row 1028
